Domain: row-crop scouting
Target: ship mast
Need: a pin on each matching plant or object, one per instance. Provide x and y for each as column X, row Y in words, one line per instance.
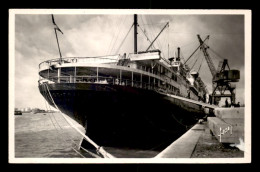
column 55, row 29
column 58, row 45
column 135, row 33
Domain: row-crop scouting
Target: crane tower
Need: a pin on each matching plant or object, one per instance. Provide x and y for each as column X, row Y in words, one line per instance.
column 222, row 78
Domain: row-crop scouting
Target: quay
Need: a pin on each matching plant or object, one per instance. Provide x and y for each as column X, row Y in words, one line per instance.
column 212, row 138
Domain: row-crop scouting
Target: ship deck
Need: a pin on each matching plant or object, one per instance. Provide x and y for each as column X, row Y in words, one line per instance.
column 106, row 70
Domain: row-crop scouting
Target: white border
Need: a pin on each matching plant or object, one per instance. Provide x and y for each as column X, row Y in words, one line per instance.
column 247, row 153
column 129, row 11
column 11, row 82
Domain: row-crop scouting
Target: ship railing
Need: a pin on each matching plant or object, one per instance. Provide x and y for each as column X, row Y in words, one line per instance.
column 45, row 80
column 98, row 59
column 48, row 63
column 102, row 80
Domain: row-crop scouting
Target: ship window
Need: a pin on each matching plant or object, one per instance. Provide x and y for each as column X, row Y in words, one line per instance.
column 126, row 78
column 174, row 77
column 105, row 72
column 53, row 74
column 162, row 70
column 145, row 81
column 86, row 71
column 66, row 74
column 67, row 71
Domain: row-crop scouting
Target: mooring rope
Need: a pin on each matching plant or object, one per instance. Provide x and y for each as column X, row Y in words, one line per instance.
column 91, row 153
column 99, row 149
column 60, row 133
column 186, row 126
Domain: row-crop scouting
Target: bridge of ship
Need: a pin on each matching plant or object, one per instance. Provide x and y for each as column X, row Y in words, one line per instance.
column 105, row 70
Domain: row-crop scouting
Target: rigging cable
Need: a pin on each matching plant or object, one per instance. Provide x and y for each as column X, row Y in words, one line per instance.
column 158, row 42
column 196, row 50
column 98, row 148
column 146, row 36
column 218, row 55
column 195, row 61
column 186, row 126
column 114, row 34
column 183, row 47
column 152, row 31
column 92, row 154
column 60, row 134
column 200, row 64
column 124, row 39
column 168, row 40
column 182, row 56
column 160, row 45
column 165, row 42
column 188, row 44
column 117, row 35
column 143, row 30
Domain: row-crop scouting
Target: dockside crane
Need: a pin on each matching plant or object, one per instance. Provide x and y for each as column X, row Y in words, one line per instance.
column 223, row 78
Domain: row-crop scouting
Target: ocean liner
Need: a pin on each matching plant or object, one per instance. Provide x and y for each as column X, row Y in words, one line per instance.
column 135, row 100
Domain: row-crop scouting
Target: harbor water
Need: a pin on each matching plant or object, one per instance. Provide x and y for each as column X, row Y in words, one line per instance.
column 48, row 135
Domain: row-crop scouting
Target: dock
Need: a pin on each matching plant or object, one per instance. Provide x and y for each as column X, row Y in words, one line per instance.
column 211, row 138
column 185, row 145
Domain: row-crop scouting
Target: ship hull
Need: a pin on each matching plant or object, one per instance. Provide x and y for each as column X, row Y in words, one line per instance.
column 120, row 116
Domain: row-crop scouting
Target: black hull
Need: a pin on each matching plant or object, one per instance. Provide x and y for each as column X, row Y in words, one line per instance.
column 118, row 116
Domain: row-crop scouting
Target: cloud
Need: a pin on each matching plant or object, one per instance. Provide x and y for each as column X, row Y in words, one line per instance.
column 97, row 35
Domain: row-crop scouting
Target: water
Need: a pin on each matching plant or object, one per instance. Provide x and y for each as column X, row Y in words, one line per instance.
column 48, row 135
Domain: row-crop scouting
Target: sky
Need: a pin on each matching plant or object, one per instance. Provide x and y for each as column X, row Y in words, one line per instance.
column 88, row 35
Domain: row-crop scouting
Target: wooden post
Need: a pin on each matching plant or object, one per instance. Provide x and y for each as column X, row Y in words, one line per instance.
column 70, row 79
column 59, row 69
